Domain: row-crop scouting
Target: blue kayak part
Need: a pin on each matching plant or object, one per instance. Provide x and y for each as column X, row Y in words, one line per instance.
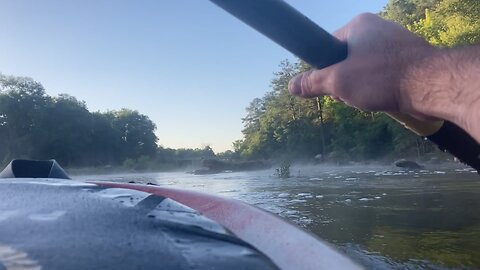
column 23, row 168
column 64, row 224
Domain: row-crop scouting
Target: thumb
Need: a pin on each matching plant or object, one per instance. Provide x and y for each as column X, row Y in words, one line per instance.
column 312, row 83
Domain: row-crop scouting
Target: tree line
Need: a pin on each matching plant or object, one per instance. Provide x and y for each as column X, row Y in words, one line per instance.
column 38, row 126
column 34, row 125
column 279, row 125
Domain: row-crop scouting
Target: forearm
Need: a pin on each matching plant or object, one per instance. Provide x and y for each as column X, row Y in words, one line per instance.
column 446, row 84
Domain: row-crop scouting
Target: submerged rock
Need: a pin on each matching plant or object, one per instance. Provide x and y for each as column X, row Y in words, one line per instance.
column 212, row 166
column 409, row 164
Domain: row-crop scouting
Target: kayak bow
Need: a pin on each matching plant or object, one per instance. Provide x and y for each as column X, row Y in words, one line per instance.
column 58, row 223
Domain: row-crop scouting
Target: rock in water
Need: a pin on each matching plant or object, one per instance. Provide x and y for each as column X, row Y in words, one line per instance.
column 409, row 164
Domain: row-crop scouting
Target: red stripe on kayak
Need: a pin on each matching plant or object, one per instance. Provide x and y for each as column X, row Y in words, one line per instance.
column 288, row 246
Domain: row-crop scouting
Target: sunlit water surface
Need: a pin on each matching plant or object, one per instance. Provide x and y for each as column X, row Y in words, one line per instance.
column 382, row 217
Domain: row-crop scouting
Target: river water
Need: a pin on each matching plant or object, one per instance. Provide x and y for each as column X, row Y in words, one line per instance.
column 382, row 217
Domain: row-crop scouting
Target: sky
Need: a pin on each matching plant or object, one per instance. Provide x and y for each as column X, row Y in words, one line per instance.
column 187, row 64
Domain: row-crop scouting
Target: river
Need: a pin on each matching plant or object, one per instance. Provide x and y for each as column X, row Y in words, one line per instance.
column 382, row 217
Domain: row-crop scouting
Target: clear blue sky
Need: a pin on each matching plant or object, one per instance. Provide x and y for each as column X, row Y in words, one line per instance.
column 186, row 64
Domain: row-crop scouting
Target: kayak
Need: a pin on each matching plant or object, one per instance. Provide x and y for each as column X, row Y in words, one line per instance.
column 48, row 221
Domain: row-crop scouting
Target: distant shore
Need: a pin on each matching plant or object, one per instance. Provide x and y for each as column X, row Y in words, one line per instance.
column 434, row 164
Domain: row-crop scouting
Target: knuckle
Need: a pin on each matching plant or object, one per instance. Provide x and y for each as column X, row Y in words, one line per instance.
column 306, row 82
column 364, row 17
column 340, row 84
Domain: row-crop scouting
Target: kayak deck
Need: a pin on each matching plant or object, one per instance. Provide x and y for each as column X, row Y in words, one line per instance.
column 64, row 224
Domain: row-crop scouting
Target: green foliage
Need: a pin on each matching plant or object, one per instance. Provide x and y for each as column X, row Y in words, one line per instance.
column 445, row 23
column 183, row 156
column 407, row 12
column 281, row 126
column 228, row 155
column 198, row 153
column 141, row 164
column 37, row 126
column 136, row 133
column 279, row 123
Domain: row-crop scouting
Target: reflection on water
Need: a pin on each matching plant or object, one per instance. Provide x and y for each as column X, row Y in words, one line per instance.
column 382, row 217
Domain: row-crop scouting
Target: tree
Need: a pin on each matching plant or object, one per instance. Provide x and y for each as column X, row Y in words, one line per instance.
column 450, row 23
column 106, row 142
column 69, row 131
column 407, row 12
column 137, row 133
column 22, row 103
column 37, row 126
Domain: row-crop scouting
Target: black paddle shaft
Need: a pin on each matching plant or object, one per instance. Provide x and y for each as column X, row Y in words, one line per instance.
column 296, row 33
column 288, row 28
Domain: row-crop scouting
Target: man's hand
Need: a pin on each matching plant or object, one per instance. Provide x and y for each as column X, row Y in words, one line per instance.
column 390, row 69
column 379, row 53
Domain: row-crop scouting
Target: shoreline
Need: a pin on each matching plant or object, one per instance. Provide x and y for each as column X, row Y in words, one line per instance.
column 366, row 165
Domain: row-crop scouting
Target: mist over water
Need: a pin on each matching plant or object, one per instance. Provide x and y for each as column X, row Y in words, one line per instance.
column 381, row 216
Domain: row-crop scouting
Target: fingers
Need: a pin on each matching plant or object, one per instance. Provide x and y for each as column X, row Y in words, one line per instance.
column 365, row 18
column 312, row 83
column 328, row 81
column 315, row 83
column 342, row 33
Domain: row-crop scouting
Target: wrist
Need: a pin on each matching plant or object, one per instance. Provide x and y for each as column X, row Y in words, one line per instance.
column 438, row 85
column 444, row 83
column 472, row 120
